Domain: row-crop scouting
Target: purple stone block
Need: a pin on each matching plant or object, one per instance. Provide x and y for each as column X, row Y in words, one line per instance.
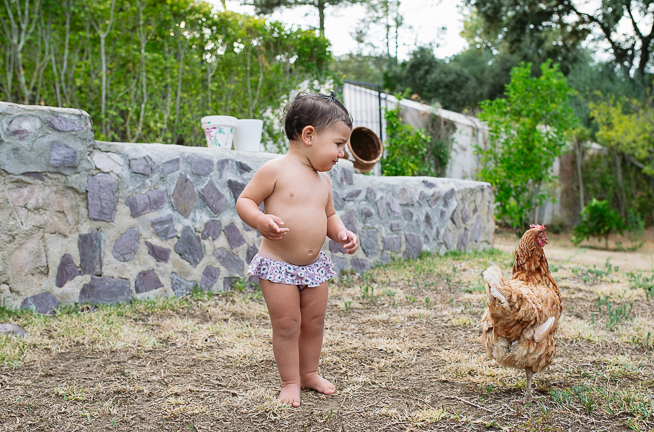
column 230, row 261
column 212, row 229
column 448, row 196
column 428, row 184
column 435, row 197
column 475, row 230
column 464, row 215
column 393, row 205
column 67, row 271
column 180, row 286
column 44, row 303
column 360, row 266
column 352, row 195
column 102, row 193
column 184, row 195
column 236, row 187
column 449, row 238
column 386, row 257
column 225, row 164
column 428, row 221
column 214, row 199
column 189, row 247
column 126, row 246
column 147, row 281
column 370, row 193
column 462, row 243
column 422, row 197
column 366, row 213
column 413, row 245
column 347, row 175
column 442, row 214
column 200, row 165
column 406, row 196
column 339, row 202
column 336, row 247
column 62, row 124
column 370, row 242
column 210, row 276
column 23, row 126
column 348, row 221
column 62, row 155
column 243, row 167
column 169, row 167
column 340, row 264
column 163, row 226
column 12, row 329
column 407, row 214
column 143, row 165
column 392, row 243
column 456, row 217
column 234, row 236
column 105, row 290
column 396, row 226
column 251, row 252
column 34, row 175
column 380, row 206
column 146, row 203
column 159, row 253
column 91, row 252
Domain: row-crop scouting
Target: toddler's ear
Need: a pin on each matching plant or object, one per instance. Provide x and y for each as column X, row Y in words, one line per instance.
column 308, row 134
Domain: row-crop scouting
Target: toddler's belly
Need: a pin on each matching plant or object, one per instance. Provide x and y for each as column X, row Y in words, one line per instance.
column 302, row 244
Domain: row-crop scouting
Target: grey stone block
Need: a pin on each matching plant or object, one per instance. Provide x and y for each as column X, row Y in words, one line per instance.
column 366, row 213
column 407, row 196
column 340, row 264
column 189, row 247
column 339, row 202
column 396, row 226
column 448, row 196
column 234, row 236
column 143, row 165
column 456, row 217
column 213, row 198
column 212, row 229
column 442, row 214
column 230, row 261
column 422, row 197
column 91, row 252
column 370, row 242
column 12, row 329
column 147, row 281
column 200, row 165
column 380, row 206
column 225, row 165
column 35, row 175
column 184, row 195
column 102, row 195
column 236, row 187
column 146, row 203
column 449, row 239
column 105, row 290
column 163, row 226
column 428, row 221
column 370, row 193
column 407, row 215
column 62, row 155
column 336, row 247
column 464, row 214
column 347, row 175
column 250, row 254
column 352, row 195
column 180, row 286
column 243, row 167
column 67, row 271
column 462, row 243
column 433, row 200
column 393, row 205
column 392, row 243
column 209, row 278
column 360, row 266
column 126, row 246
column 413, row 245
column 170, row 167
column 475, row 230
column 160, row 254
column 62, row 124
column 44, row 303
column 386, row 257
column 428, row 184
column 348, row 221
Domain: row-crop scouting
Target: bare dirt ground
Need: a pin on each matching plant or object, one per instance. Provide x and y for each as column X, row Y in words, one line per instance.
column 401, row 345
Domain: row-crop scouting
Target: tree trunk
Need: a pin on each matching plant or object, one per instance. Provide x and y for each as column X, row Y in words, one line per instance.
column 321, row 14
column 578, row 158
column 622, row 196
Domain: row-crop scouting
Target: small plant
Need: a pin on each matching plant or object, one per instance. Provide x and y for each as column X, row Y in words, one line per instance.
column 637, row 280
column 616, row 314
column 427, row 302
column 583, row 393
column 346, row 306
column 410, row 299
column 598, row 220
column 561, row 397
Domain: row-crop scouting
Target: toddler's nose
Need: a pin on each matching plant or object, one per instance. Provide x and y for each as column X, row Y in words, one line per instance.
column 341, row 152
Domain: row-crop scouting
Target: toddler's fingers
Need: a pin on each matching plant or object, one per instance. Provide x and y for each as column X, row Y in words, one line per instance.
column 277, row 220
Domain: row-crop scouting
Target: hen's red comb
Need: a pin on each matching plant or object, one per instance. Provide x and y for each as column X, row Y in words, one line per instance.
column 540, row 227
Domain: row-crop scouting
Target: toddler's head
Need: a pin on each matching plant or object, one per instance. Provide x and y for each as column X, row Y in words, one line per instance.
column 314, row 109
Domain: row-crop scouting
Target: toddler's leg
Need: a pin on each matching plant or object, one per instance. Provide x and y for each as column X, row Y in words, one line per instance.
column 313, row 302
column 283, row 303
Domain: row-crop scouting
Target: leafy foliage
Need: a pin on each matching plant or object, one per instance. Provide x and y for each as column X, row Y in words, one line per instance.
column 599, row 220
column 528, row 129
column 406, row 147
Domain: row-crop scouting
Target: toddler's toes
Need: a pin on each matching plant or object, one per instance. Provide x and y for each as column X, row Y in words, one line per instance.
column 290, row 395
column 318, row 383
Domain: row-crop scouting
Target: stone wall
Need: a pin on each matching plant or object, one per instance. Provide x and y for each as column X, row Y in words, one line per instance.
column 89, row 221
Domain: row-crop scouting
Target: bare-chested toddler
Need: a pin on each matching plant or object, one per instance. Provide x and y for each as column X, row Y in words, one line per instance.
column 298, row 214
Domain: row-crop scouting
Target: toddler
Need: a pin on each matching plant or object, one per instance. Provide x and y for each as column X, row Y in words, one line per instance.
column 299, row 212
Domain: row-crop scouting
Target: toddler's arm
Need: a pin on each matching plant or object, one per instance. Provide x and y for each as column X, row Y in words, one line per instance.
column 247, row 205
column 336, row 228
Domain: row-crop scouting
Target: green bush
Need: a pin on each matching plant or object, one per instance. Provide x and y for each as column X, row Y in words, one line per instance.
column 599, row 220
column 406, row 148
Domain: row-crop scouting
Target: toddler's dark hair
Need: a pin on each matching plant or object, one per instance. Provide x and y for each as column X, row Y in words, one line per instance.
column 314, row 109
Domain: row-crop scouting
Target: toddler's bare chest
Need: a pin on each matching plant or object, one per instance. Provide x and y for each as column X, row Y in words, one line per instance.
column 303, row 191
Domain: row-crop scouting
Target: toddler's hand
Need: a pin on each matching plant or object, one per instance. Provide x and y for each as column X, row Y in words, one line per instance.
column 348, row 240
column 268, row 226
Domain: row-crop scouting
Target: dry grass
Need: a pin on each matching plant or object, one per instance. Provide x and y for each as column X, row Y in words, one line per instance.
column 401, row 345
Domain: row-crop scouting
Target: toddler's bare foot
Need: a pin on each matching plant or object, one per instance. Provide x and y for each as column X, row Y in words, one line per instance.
column 316, row 382
column 290, row 395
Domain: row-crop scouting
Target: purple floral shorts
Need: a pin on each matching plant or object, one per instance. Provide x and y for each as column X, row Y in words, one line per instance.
column 310, row 275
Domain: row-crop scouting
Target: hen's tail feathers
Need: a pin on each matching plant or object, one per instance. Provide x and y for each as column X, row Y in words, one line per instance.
column 543, row 330
column 495, row 280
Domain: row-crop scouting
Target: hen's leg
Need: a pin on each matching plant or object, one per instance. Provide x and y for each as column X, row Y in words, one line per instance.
column 528, row 389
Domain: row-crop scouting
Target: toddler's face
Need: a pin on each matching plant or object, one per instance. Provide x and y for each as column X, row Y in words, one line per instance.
column 329, row 145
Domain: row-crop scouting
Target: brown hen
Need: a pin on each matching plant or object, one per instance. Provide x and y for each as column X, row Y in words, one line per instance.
column 523, row 312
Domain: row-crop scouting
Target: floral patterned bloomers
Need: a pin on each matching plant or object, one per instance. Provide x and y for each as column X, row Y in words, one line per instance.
column 310, row 275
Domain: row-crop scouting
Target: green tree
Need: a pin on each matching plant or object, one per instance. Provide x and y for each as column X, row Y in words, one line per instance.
column 528, row 130
column 405, row 147
column 599, row 220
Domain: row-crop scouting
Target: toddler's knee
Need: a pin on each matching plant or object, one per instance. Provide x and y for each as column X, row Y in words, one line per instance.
column 287, row 327
column 313, row 322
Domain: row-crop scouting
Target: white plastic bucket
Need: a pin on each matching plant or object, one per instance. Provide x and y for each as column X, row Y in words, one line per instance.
column 219, row 130
column 248, row 135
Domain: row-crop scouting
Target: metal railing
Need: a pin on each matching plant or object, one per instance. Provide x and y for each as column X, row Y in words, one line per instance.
column 364, row 101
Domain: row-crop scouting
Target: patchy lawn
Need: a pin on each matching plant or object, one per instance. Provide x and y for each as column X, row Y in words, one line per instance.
column 401, row 345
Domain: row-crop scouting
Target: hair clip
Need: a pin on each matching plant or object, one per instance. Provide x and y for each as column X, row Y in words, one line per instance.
column 332, row 96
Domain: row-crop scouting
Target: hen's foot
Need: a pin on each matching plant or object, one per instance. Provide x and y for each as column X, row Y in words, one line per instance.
column 290, row 395
column 316, row 382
